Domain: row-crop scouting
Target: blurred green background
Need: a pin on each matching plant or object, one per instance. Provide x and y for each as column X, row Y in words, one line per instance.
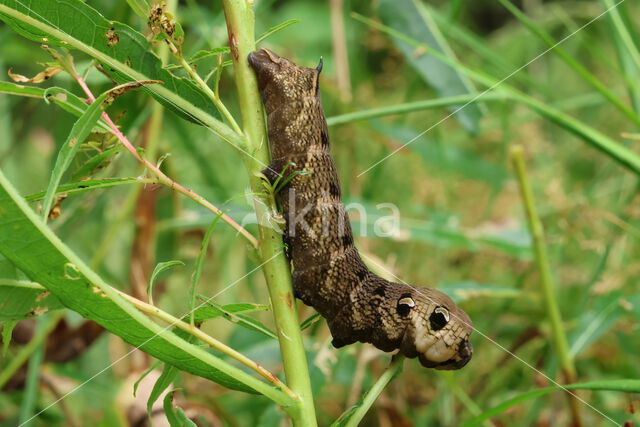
column 463, row 227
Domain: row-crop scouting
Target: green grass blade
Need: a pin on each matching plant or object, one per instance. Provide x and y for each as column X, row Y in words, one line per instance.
column 598, row 140
column 50, row 262
column 81, row 129
column 414, row 20
column 570, row 61
column 411, row 107
column 353, row 416
column 629, row 57
column 276, row 28
column 74, row 24
column 624, row 385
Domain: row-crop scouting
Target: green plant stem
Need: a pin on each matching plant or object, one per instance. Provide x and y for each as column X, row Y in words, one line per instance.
column 549, row 297
column 25, row 352
column 240, row 26
column 205, row 87
column 209, row 340
column 369, row 399
column 410, row 107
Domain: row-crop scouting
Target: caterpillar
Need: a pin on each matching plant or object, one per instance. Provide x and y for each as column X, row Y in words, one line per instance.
column 328, row 272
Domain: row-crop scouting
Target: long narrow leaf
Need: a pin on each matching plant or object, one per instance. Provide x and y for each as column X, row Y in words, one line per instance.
column 625, row 385
column 33, row 248
column 79, row 132
column 59, row 96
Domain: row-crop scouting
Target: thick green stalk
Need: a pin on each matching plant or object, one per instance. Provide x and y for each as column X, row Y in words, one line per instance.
column 240, row 25
column 551, row 305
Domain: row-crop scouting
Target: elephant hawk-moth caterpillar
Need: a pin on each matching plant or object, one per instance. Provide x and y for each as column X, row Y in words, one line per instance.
column 328, row 272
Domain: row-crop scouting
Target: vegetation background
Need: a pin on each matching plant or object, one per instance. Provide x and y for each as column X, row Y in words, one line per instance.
column 463, row 223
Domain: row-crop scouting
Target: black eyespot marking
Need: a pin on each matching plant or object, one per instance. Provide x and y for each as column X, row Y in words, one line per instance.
column 405, row 304
column 347, row 240
column 439, row 318
column 379, row 291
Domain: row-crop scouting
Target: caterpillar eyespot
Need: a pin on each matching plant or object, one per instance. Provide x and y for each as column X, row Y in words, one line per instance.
column 405, row 304
column 439, row 318
column 328, row 272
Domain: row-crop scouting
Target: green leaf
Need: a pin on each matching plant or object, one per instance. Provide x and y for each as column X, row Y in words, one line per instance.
column 595, row 321
column 175, row 415
column 169, row 373
column 197, row 270
column 59, row 96
column 159, row 268
column 31, row 246
column 140, row 8
column 412, row 19
column 202, row 54
column 88, row 185
column 275, row 29
column 310, row 321
column 20, row 299
column 81, row 129
column 208, row 312
column 143, row 376
column 96, row 162
column 411, row 107
column 628, row 52
column 624, row 385
column 7, row 332
column 232, row 312
column 123, row 52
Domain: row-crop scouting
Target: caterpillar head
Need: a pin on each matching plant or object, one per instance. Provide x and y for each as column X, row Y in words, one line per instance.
column 435, row 329
column 281, row 81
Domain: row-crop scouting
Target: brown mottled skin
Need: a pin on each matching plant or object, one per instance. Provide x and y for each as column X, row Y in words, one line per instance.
column 328, row 272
